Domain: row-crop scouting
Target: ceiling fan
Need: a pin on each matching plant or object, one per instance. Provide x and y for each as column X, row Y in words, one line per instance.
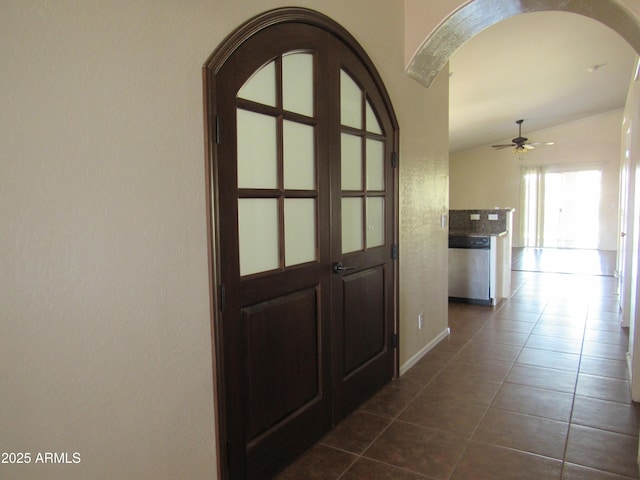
column 520, row 144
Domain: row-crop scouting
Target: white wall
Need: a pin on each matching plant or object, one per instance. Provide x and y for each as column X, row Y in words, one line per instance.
column 630, row 287
column 487, row 178
column 105, row 341
column 104, row 331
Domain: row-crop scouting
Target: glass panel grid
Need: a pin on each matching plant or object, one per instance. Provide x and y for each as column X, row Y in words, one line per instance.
column 351, row 162
column 258, row 234
column 375, row 222
column 372, row 122
column 350, row 101
column 352, row 221
column 375, row 165
column 257, row 150
column 300, row 230
column 299, row 156
column 297, row 83
column 261, row 87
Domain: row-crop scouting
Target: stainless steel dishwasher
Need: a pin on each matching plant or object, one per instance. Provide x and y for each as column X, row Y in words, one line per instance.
column 472, row 269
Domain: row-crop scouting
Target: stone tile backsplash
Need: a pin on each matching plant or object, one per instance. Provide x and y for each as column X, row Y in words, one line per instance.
column 460, row 221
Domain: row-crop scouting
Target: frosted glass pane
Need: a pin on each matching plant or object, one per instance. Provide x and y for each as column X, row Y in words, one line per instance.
column 350, row 102
column 297, row 83
column 261, row 87
column 352, row 225
column 299, row 156
column 257, row 151
column 375, row 165
column 375, row 222
column 258, row 235
column 372, row 122
column 351, row 162
column 299, row 230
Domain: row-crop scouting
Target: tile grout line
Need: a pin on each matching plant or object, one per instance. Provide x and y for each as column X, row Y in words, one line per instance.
column 573, row 400
column 455, row 354
column 470, row 439
column 396, row 418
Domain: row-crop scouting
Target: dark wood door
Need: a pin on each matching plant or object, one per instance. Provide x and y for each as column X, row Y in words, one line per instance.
column 363, row 206
column 299, row 343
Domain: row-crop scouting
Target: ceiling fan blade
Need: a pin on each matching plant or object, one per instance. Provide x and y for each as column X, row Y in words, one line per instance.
column 521, row 144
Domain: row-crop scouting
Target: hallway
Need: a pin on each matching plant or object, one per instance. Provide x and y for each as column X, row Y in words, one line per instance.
column 535, row 389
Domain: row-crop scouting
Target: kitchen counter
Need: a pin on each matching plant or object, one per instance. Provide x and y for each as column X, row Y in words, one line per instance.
column 497, row 224
column 478, row 233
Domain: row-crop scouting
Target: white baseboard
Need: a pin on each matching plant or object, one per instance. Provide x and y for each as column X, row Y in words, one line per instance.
column 423, row 351
column 630, row 377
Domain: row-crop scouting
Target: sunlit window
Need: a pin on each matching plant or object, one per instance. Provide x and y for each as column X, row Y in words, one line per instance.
column 561, row 207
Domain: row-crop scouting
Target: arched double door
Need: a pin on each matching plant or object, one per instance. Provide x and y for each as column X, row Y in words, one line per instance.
column 302, row 156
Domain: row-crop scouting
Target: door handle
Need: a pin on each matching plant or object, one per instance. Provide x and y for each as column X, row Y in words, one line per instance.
column 338, row 267
column 622, row 234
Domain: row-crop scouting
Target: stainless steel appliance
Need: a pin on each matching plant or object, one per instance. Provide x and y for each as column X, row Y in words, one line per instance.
column 472, row 269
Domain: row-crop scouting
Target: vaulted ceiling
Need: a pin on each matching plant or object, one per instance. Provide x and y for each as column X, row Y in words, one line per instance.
column 548, row 68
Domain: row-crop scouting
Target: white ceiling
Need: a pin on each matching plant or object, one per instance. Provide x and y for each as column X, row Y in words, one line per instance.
column 535, row 67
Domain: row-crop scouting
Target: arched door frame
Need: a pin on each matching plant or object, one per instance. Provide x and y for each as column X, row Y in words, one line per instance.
column 214, row 133
column 477, row 15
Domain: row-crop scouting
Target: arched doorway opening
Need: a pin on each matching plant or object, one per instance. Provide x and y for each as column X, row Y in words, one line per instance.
column 477, row 15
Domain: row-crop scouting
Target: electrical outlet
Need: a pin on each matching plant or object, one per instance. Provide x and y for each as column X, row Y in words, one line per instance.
column 492, row 216
column 474, row 216
column 420, row 321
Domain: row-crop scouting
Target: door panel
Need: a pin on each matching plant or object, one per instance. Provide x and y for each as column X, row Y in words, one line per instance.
column 364, row 334
column 282, row 376
column 363, row 354
column 300, row 346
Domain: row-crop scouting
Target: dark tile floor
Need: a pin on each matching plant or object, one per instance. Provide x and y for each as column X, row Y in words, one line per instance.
column 534, row 389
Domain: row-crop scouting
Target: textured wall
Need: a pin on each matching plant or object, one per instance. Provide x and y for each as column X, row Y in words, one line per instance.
column 424, row 198
column 104, row 310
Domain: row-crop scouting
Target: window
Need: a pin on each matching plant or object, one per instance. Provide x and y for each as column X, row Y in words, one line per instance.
column 561, row 206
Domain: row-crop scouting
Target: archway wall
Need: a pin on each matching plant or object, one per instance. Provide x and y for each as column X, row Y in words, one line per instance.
column 428, row 46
